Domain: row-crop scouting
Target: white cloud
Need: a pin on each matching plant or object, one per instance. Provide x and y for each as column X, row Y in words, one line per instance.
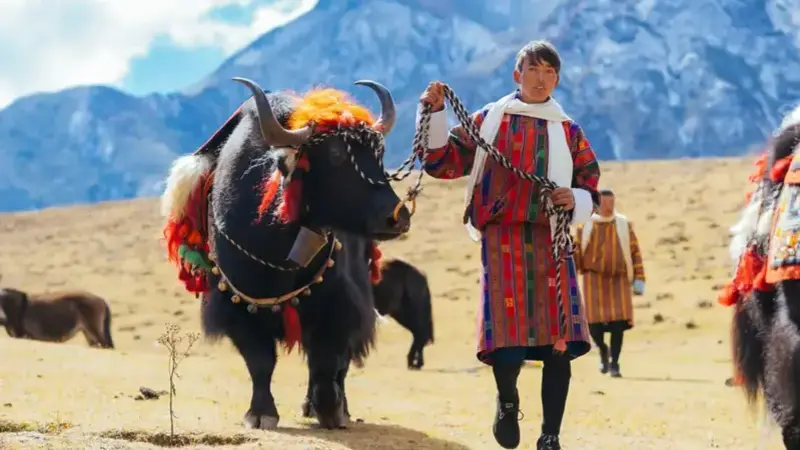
column 47, row 45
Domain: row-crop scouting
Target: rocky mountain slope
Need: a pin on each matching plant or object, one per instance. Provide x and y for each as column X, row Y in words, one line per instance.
column 646, row 79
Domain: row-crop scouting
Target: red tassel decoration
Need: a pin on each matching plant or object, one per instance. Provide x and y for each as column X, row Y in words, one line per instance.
column 191, row 231
column 291, row 327
column 375, row 264
column 780, row 169
column 270, row 190
column 289, row 209
column 750, row 274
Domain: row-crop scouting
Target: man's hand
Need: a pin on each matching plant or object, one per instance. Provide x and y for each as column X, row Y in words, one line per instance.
column 434, row 96
column 563, row 197
column 638, row 287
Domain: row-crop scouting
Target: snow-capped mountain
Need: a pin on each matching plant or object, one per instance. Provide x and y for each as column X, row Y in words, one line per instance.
column 646, row 79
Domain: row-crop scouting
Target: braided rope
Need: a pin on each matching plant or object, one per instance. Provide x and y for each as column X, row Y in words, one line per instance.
column 364, row 134
column 562, row 240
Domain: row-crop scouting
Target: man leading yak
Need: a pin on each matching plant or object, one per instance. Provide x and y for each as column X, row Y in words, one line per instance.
column 521, row 316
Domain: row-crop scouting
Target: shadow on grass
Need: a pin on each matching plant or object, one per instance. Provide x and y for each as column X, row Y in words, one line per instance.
column 375, row 436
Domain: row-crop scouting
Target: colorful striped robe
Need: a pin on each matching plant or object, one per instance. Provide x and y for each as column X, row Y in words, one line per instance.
column 519, row 305
column 607, row 291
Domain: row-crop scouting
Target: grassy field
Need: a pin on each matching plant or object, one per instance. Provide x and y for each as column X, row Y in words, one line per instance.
column 674, row 362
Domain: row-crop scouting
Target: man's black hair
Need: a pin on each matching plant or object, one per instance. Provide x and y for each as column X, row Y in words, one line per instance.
column 539, row 51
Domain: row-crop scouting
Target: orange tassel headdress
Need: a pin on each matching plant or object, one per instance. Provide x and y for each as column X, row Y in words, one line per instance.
column 326, row 108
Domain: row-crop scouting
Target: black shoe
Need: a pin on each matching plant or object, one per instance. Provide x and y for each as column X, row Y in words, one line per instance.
column 548, row 442
column 603, row 363
column 615, row 373
column 604, row 366
column 506, row 424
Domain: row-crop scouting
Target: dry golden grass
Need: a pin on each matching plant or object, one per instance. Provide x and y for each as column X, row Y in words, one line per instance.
column 672, row 397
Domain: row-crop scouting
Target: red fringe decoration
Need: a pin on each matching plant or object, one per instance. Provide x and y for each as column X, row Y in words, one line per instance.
column 270, row 190
column 750, row 274
column 291, row 327
column 192, row 231
column 761, row 168
column 289, row 209
column 290, row 199
column 780, row 169
column 375, row 264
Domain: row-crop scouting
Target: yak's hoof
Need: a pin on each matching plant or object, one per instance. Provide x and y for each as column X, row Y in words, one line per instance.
column 307, row 408
column 342, row 419
column 263, row 422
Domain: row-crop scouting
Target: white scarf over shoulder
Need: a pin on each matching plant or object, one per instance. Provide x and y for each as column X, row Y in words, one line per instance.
column 560, row 166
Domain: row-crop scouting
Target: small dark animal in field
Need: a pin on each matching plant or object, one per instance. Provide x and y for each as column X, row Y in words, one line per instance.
column 404, row 295
column 56, row 317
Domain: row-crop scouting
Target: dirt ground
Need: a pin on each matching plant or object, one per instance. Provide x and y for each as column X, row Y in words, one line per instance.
column 675, row 360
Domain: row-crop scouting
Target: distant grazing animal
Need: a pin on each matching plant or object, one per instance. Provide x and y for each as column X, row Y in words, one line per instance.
column 404, row 295
column 269, row 220
column 57, row 317
column 765, row 289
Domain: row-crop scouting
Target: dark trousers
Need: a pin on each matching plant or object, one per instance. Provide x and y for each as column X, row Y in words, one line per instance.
column 556, row 373
column 617, row 330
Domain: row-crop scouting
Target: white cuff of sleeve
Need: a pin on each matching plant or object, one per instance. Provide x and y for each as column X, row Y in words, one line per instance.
column 439, row 132
column 583, row 206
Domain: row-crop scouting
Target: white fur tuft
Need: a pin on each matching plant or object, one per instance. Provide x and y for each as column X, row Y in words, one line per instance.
column 183, row 177
column 745, row 228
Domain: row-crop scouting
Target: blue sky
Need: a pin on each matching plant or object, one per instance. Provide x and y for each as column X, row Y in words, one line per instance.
column 140, row 46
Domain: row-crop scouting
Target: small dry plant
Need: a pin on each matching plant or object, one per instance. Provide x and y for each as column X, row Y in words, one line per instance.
column 172, row 340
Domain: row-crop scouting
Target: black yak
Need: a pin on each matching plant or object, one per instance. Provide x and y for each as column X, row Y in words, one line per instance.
column 403, row 294
column 765, row 289
column 269, row 220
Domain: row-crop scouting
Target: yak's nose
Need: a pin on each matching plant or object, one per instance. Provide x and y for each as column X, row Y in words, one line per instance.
column 400, row 220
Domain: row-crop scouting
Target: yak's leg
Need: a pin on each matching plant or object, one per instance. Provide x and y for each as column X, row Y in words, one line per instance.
column 412, row 324
column 791, row 436
column 260, row 354
column 344, row 418
column 307, row 408
column 324, row 362
column 782, row 363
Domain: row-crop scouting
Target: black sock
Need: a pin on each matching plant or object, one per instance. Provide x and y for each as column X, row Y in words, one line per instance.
column 556, row 375
column 505, row 376
column 616, row 345
column 597, row 333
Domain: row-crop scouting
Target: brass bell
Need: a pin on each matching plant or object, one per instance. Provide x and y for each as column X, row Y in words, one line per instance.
column 318, row 279
column 215, row 270
column 223, row 286
column 295, row 301
column 251, row 308
column 235, row 298
column 331, row 263
column 337, row 245
column 276, row 308
column 306, row 291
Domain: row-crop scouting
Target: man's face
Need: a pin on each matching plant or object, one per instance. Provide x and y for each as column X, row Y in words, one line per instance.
column 536, row 81
column 606, row 204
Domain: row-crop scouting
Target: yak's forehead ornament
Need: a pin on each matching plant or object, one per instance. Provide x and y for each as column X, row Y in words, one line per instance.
column 326, row 112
